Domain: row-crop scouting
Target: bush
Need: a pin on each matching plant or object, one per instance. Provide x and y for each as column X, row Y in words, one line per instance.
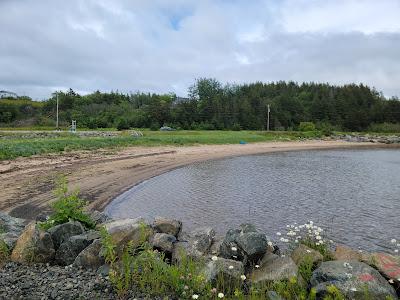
column 4, row 252
column 306, row 126
column 67, row 207
column 154, row 126
column 236, row 127
column 122, row 124
column 385, row 127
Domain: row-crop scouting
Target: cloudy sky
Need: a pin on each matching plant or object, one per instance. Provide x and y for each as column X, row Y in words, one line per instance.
column 163, row 45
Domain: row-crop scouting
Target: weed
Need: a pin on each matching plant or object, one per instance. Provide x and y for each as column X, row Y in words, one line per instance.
column 4, row 252
column 68, row 207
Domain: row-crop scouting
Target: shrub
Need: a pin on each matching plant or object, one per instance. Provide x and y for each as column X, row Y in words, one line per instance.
column 122, row 124
column 306, row 126
column 236, row 127
column 154, row 126
column 68, row 207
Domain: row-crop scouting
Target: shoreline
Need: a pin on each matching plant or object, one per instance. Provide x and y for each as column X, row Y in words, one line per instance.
column 26, row 183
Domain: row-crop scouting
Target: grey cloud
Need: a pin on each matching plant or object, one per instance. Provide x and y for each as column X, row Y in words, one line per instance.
column 133, row 45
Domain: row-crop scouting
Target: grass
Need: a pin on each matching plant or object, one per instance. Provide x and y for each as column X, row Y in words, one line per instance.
column 15, row 145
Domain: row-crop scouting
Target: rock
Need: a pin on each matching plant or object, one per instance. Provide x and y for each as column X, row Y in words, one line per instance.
column 244, row 244
column 169, row 226
column 90, row 257
column 195, row 244
column 352, row 278
column 227, row 270
column 98, row 217
column 163, row 242
column 135, row 231
column 274, row 268
column 303, row 254
column 388, row 265
column 33, row 245
column 69, row 250
column 61, row 233
column 345, row 253
column 10, row 229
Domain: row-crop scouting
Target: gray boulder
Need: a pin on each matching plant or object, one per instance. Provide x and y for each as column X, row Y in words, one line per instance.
column 163, row 242
column 33, row 246
column 227, row 270
column 10, row 229
column 69, row 250
column 195, row 244
column 354, row 279
column 61, row 233
column 98, row 217
column 90, row 257
column 169, row 226
column 303, row 254
column 274, row 268
column 124, row 231
column 245, row 244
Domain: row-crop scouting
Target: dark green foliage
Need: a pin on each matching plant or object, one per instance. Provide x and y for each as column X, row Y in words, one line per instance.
column 122, row 124
column 214, row 106
column 67, row 207
column 307, row 126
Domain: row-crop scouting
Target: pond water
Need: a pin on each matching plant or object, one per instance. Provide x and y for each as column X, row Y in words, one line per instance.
column 353, row 194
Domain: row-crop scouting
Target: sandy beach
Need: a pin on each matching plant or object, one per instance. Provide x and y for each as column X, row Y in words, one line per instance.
column 26, row 184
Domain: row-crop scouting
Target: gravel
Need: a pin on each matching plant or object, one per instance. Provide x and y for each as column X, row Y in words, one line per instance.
column 40, row 281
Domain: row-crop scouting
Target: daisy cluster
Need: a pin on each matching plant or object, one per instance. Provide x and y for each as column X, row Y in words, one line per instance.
column 396, row 245
column 307, row 232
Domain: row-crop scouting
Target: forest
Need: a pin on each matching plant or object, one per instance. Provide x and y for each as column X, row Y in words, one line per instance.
column 211, row 105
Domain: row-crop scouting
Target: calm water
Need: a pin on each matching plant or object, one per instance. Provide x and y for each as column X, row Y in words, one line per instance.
column 353, row 194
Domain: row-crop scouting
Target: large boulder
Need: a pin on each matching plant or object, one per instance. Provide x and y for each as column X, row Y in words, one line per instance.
column 90, row 257
column 353, row 279
column 61, row 233
column 225, row 270
column 343, row 252
column 273, row 267
column 98, row 217
column 244, row 243
column 169, row 226
column 33, row 246
column 389, row 266
column 304, row 254
column 195, row 244
column 69, row 250
column 10, row 229
column 163, row 242
column 124, row 231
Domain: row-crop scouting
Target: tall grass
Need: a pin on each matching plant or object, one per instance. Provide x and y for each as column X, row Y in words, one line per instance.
column 16, row 146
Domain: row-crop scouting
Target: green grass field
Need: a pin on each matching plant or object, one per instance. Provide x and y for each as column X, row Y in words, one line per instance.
column 15, row 144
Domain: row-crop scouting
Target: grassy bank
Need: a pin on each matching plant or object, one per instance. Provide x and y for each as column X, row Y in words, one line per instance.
column 13, row 145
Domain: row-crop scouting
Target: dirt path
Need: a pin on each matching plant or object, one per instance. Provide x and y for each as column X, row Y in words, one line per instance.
column 26, row 183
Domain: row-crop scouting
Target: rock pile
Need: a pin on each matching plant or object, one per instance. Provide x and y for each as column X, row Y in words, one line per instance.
column 66, row 261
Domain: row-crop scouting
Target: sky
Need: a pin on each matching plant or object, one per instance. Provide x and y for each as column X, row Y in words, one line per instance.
column 163, row 46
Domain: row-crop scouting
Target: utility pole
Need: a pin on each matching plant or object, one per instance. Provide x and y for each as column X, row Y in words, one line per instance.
column 57, row 113
column 269, row 110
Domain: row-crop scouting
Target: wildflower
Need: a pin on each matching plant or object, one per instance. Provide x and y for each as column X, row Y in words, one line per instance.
column 214, row 290
column 185, row 287
column 195, row 296
column 287, row 226
column 353, row 289
column 348, row 275
column 270, row 244
column 214, row 258
column 220, row 295
column 391, row 281
column 230, row 267
column 243, row 277
column 308, row 251
column 278, row 233
column 393, row 241
column 298, row 237
column 234, row 249
column 256, row 266
column 346, row 264
column 398, row 245
column 311, row 222
column 318, row 237
column 234, row 256
column 283, row 255
column 296, row 241
column 396, row 251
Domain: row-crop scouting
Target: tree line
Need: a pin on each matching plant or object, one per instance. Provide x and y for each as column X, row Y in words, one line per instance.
column 212, row 105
